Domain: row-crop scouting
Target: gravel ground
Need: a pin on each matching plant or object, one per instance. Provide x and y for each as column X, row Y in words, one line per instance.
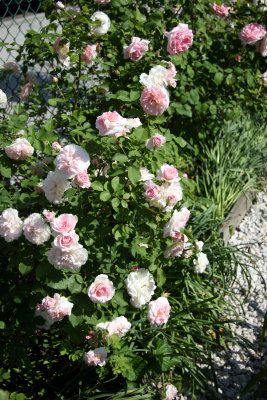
column 235, row 368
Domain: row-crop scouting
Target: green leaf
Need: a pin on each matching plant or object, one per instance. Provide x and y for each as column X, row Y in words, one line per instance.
column 25, row 269
column 161, row 278
column 2, row 325
column 213, row 109
column 180, row 141
column 124, row 204
column 218, row 78
column 73, row 285
column 134, row 174
column 194, row 96
column 115, row 202
column 5, row 171
column 97, row 186
column 105, row 196
column 49, row 125
column 50, row 276
column 76, row 317
column 118, row 299
column 121, row 158
column 115, row 182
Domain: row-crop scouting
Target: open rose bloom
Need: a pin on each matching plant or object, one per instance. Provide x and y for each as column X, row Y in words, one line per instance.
column 171, row 392
column 118, row 326
column 64, row 224
column 10, row 225
column 159, row 311
column 96, row 357
column 155, row 141
column 140, row 287
column 136, row 50
column 179, row 39
column 62, row 52
column 53, row 309
column 89, row 54
column 159, row 76
column 252, row 33
column 155, row 100
column 72, row 160
column 35, row 229
column 101, row 290
column 111, row 123
column 20, row 149
column 221, row 11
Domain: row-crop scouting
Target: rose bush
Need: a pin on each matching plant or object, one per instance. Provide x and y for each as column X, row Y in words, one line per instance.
column 120, row 236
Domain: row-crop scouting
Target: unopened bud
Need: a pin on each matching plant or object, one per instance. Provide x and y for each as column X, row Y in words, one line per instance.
column 55, row 80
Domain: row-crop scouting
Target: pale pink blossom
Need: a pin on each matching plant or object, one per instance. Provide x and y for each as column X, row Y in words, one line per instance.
column 104, row 23
column 35, row 229
column 143, row 245
column 53, row 309
column 83, row 180
column 72, row 160
column 221, row 11
column 168, row 173
column 201, row 263
column 155, row 100
column 185, row 175
column 140, row 287
column 64, row 224
column 102, row 1
column 26, row 90
column 89, row 54
column 11, row 67
column 10, row 225
column 145, row 175
column 171, row 392
column 167, row 197
column 55, row 79
column 136, row 50
column 20, row 149
column 60, row 5
column 176, row 223
column 155, row 141
column 159, row 76
column 252, row 33
column 179, row 39
column 264, row 77
column 152, row 190
column 3, row 99
column 49, row 215
column 118, row 326
column 109, row 123
column 67, row 242
column 56, row 146
column 96, row 357
column 62, row 52
column 101, row 290
column 69, row 260
column 199, row 245
column 262, row 48
column 159, row 311
column 54, row 186
column 177, row 248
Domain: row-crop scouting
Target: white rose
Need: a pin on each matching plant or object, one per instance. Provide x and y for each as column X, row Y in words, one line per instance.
column 104, row 21
column 70, row 260
column 3, row 99
column 10, row 225
column 54, row 186
column 145, row 175
column 140, row 286
column 200, row 263
column 35, row 229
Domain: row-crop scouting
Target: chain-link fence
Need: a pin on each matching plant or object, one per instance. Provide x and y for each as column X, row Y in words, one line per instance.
column 16, row 18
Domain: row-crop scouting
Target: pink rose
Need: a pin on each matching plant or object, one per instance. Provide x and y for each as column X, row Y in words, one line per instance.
column 136, row 50
column 159, row 311
column 102, row 1
column 10, row 225
column 19, row 150
column 67, row 242
column 64, row 224
column 252, row 33
column 262, row 48
column 168, row 173
column 72, row 259
column 49, row 215
column 60, row 5
column 171, row 392
column 89, row 54
column 26, row 90
column 155, row 141
column 171, row 74
column 48, row 302
column 56, row 146
column 145, row 175
column 119, row 326
column 176, row 223
column 82, row 180
column 109, row 123
column 221, row 11
column 177, row 248
column 101, row 290
column 35, row 229
column 96, row 357
column 72, row 160
column 179, row 39
column 155, row 100
column 151, row 190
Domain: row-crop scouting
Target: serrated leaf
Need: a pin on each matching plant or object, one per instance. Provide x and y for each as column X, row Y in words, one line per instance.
column 73, row 285
column 134, row 174
column 161, row 277
column 218, row 78
column 97, row 186
column 121, row 158
column 105, row 196
column 115, row 182
column 115, row 202
column 49, row 125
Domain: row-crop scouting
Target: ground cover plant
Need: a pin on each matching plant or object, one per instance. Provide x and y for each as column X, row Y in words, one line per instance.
column 115, row 270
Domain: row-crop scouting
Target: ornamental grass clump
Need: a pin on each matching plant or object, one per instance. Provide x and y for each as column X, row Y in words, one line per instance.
column 111, row 220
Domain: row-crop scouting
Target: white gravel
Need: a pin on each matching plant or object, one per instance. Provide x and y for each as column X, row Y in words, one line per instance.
column 236, row 367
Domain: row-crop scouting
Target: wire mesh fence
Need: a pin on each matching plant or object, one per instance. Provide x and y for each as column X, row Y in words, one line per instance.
column 16, row 18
